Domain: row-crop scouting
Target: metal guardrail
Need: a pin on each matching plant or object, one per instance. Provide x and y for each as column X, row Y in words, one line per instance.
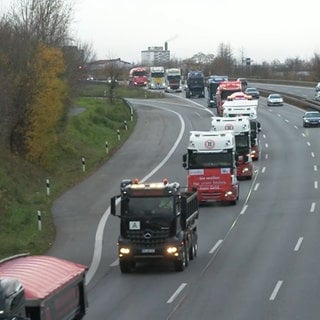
column 297, row 101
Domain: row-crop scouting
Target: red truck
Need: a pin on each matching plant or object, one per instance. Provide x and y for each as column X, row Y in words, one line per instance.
column 138, row 77
column 42, row 288
column 211, row 164
column 226, row 89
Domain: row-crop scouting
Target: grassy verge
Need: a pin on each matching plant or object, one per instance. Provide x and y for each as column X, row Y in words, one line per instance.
column 23, row 186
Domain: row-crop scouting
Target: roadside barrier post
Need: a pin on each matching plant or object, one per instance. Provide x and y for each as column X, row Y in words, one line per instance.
column 48, row 187
column 125, row 125
column 39, row 220
column 118, row 132
column 83, row 164
column 107, row 147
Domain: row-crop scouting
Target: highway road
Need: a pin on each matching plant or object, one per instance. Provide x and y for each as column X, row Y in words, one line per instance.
column 256, row 260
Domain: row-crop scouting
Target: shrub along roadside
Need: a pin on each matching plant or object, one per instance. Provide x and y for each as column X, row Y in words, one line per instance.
column 23, row 188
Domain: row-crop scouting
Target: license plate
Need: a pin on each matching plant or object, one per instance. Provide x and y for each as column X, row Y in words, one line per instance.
column 148, row 250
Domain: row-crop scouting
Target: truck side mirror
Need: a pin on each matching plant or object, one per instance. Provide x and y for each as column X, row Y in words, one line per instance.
column 184, row 161
column 113, row 205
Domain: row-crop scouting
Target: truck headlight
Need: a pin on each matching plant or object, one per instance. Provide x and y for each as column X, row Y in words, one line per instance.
column 228, row 194
column 124, row 251
column 172, row 250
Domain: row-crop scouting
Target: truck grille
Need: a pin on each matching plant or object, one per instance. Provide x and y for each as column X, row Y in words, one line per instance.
column 148, row 237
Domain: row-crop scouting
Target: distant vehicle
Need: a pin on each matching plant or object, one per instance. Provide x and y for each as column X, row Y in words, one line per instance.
column 213, row 84
column 173, row 80
column 195, row 84
column 311, row 118
column 226, row 89
column 317, row 96
column 244, row 83
column 156, row 78
column 274, row 99
column 253, row 92
column 138, row 77
column 318, row 87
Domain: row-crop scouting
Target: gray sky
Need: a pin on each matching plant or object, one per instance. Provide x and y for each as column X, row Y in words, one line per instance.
column 261, row 30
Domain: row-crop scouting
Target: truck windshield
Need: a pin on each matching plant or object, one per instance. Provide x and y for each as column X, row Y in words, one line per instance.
column 174, row 78
column 157, row 74
column 139, row 74
column 210, row 160
column 242, row 142
column 141, row 206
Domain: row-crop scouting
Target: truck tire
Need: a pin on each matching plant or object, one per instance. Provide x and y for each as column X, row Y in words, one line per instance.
column 193, row 249
column 183, row 260
column 126, row 266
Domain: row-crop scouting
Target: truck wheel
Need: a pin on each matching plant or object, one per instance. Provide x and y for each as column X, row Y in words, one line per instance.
column 126, row 266
column 181, row 264
column 193, row 250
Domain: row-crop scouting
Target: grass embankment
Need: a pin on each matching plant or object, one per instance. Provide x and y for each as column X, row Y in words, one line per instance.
column 23, row 186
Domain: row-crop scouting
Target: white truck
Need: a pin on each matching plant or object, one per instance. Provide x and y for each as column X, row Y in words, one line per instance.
column 246, row 108
column 156, row 78
column 240, row 126
column 173, row 80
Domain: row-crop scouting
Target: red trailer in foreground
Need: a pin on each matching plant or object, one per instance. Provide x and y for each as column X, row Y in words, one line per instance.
column 42, row 288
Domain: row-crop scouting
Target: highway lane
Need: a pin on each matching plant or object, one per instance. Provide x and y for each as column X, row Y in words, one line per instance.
column 244, row 251
column 264, row 270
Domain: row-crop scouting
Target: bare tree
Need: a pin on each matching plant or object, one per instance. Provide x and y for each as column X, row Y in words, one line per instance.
column 44, row 21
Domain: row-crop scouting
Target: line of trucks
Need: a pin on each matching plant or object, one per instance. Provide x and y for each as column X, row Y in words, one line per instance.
column 156, row 78
column 158, row 220
column 217, row 159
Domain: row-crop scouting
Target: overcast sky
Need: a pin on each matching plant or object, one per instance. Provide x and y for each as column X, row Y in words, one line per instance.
column 262, row 30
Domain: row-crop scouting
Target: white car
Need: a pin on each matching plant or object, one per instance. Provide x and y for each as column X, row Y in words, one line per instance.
column 318, row 87
column 274, row 99
column 317, row 96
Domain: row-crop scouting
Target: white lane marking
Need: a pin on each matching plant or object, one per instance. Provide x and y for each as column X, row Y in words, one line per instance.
column 115, row 263
column 264, row 136
column 97, row 253
column 315, row 168
column 308, row 143
column 298, row 244
column 263, row 170
column 316, row 184
column 286, row 120
column 256, row 186
column 266, row 156
column 216, row 246
column 266, row 145
column 244, row 209
column 296, row 127
column 181, row 287
column 313, row 206
column 312, row 154
column 303, row 135
column 276, row 290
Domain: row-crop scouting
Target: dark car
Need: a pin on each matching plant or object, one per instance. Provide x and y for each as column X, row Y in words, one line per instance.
column 311, row 118
column 253, row 92
column 274, row 99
